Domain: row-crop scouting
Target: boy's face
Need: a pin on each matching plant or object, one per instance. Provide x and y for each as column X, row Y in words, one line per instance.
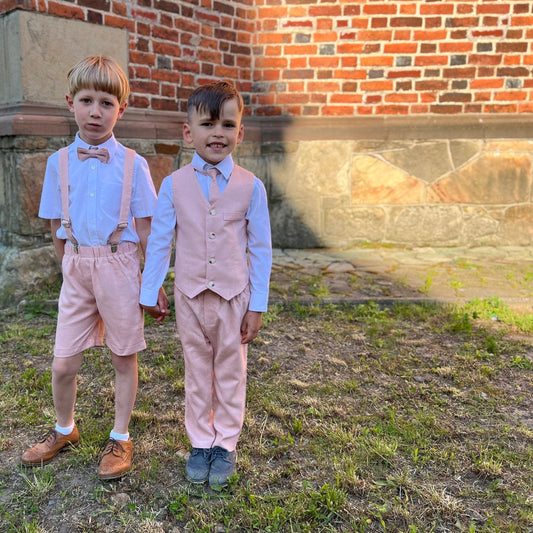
column 213, row 139
column 96, row 113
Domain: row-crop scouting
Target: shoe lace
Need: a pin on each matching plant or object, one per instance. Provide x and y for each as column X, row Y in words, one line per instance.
column 113, row 446
column 50, row 437
column 219, row 453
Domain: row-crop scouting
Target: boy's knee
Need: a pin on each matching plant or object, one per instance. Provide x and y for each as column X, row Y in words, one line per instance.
column 66, row 366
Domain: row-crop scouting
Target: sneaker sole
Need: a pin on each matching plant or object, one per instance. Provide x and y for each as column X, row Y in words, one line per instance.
column 196, row 481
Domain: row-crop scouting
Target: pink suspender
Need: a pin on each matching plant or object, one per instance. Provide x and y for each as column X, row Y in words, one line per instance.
column 127, row 187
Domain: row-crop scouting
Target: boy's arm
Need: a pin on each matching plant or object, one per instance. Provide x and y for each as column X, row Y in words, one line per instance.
column 59, row 244
column 160, row 310
column 142, row 227
column 259, row 248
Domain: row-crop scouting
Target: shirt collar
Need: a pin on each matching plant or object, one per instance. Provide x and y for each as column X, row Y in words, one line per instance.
column 225, row 167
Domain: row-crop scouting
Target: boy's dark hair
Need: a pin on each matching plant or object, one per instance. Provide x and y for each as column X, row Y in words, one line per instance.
column 210, row 98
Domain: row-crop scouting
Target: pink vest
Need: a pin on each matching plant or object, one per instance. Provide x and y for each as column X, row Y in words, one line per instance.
column 211, row 239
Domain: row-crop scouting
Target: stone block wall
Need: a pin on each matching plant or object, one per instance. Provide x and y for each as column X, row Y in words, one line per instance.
column 330, row 184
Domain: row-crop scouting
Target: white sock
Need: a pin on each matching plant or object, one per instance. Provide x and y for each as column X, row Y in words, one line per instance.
column 65, row 431
column 119, row 436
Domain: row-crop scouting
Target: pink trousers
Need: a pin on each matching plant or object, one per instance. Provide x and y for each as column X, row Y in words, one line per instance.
column 215, row 367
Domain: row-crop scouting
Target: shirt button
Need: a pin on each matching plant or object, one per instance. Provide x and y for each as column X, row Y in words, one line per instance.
column 212, row 261
column 211, row 284
column 213, row 212
column 212, row 235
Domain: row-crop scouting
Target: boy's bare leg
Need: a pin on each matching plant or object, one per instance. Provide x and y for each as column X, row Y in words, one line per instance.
column 118, row 454
column 126, row 379
column 64, row 386
column 64, row 371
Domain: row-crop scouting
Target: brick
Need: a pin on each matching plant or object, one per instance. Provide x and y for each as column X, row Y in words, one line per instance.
column 400, row 48
column 486, row 83
column 384, row 85
column 403, row 98
column 424, row 60
column 299, row 62
column 429, row 35
column 166, row 48
column 495, row 108
column 292, row 98
column 295, row 49
column 337, row 111
column 485, row 59
column 500, row 8
column 411, row 22
column 377, row 61
column 445, row 109
column 455, row 97
column 513, row 71
column 380, row 8
column 324, row 24
column 392, row 109
column 333, row 10
column 442, row 8
column 374, row 35
column 511, row 47
column 61, row 10
column 324, row 62
column 346, row 98
column 119, row 22
column 404, row 74
column 510, row 95
column 323, row 87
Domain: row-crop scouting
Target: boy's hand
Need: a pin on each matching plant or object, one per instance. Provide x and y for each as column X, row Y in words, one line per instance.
column 162, row 303
column 250, row 326
column 160, row 310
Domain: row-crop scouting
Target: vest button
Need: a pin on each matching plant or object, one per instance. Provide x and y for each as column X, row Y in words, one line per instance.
column 212, row 261
column 212, row 235
column 213, row 212
column 211, row 284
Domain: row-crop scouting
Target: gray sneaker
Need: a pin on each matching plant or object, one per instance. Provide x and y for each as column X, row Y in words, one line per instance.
column 222, row 467
column 197, row 467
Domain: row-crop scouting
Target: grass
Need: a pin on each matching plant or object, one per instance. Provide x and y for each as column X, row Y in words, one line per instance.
column 360, row 418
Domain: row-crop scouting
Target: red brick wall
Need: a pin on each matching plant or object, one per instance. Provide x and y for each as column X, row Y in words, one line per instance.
column 324, row 57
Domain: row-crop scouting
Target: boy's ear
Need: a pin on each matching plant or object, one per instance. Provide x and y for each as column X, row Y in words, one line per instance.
column 240, row 135
column 187, row 136
column 70, row 102
column 121, row 110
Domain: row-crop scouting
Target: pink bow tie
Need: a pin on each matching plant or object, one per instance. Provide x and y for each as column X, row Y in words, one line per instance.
column 99, row 153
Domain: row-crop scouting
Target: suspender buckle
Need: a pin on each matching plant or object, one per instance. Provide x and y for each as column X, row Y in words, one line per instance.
column 122, row 225
column 113, row 248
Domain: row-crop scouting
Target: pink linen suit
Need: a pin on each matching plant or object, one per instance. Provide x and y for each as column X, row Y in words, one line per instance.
column 211, row 298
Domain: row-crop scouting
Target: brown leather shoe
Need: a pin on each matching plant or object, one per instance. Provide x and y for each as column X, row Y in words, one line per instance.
column 117, row 458
column 49, row 446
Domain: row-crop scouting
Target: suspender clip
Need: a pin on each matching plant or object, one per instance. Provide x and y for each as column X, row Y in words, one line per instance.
column 76, row 248
column 113, row 248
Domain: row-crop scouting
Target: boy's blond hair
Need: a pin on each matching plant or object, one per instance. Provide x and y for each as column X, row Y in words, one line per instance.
column 101, row 74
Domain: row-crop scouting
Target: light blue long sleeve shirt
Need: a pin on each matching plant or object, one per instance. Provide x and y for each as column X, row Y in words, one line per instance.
column 163, row 231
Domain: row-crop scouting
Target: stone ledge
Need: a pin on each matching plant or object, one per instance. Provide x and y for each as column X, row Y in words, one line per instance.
column 42, row 119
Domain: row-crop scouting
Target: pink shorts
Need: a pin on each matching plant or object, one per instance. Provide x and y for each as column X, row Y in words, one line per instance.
column 100, row 292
